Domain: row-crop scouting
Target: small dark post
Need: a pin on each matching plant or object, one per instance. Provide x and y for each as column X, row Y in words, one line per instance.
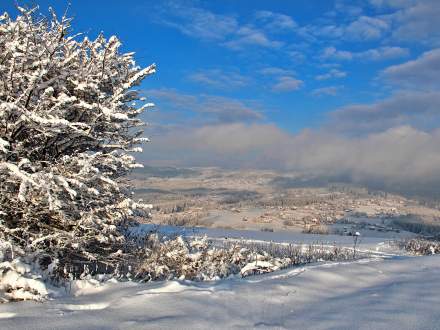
column 356, row 237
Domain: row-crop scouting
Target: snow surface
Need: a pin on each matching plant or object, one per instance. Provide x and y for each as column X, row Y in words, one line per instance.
column 375, row 246
column 277, row 236
column 397, row 293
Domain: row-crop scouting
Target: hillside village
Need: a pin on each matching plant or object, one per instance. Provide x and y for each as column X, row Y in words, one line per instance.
column 264, row 200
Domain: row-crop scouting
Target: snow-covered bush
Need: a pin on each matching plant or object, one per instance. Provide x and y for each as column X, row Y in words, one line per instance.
column 166, row 259
column 296, row 254
column 21, row 277
column 420, row 246
column 198, row 259
column 68, row 123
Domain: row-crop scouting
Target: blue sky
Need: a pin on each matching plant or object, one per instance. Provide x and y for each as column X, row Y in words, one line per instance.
column 295, row 85
column 288, row 62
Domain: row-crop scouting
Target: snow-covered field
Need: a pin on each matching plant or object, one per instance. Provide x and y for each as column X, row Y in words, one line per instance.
column 385, row 291
column 370, row 243
column 401, row 293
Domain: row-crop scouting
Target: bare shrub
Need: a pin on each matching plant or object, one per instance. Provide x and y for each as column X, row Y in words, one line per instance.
column 288, row 223
column 316, row 229
column 181, row 219
column 417, row 225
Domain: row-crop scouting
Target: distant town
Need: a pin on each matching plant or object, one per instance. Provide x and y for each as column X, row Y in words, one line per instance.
column 269, row 201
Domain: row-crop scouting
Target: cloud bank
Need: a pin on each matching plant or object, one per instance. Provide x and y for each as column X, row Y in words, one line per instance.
column 397, row 156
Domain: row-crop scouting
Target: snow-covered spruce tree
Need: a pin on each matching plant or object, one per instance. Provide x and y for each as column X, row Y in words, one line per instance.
column 68, row 123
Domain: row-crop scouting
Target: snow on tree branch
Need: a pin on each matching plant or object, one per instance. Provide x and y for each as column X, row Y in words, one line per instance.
column 69, row 119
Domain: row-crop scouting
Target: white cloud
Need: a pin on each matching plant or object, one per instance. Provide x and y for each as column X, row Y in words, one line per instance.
column 251, row 36
column 345, row 8
column 328, row 31
column 228, row 110
column 198, row 22
column 366, row 28
column 397, row 20
column 423, row 72
column 225, row 29
column 296, row 56
column 413, row 20
column 173, row 96
column 383, row 53
column 375, row 54
column 287, row 84
column 273, row 70
column 333, row 73
column 398, row 156
column 284, row 80
column 392, row 3
column 217, row 78
column 329, row 91
column 205, row 108
column 333, row 53
column 418, row 109
column 276, row 22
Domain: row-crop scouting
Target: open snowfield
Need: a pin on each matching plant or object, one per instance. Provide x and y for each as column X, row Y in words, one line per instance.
column 397, row 293
column 373, row 244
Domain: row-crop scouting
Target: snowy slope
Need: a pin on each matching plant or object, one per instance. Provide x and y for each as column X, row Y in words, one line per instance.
column 399, row 293
column 366, row 242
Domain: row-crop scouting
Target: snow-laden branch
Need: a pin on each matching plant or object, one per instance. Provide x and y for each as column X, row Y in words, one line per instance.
column 69, row 114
